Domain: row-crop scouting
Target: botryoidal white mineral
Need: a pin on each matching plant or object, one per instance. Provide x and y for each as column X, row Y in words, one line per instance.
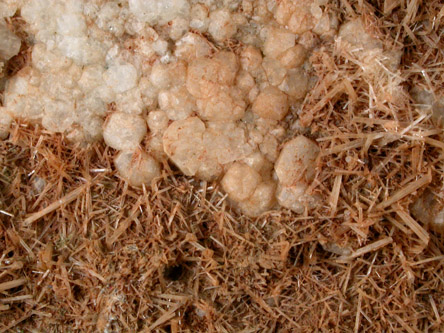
column 212, row 86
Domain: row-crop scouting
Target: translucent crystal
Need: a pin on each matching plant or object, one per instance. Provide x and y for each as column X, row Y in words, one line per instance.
column 137, row 167
column 124, row 131
column 9, row 43
column 121, row 77
column 183, row 143
column 271, row 104
column 240, row 181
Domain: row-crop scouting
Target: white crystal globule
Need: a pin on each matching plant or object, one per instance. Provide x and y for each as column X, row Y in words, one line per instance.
column 158, row 11
column 121, row 77
column 183, row 143
column 9, row 42
column 295, row 169
column 137, row 167
column 240, row 181
column 124, row 131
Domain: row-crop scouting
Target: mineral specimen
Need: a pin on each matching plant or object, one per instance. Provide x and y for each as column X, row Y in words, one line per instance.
column 212, row 86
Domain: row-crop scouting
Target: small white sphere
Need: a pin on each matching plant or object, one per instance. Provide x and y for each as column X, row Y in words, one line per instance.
column 157, row 121
column 124, row 131
column 137, row 167
column 296, row 162
column 261, row 200
column 222, row 26
column 271, row 104
column 240, row 181
column 183, row 143
column 121, row 77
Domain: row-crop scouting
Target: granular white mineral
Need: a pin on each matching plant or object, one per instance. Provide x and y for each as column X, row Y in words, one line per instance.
column 212, row 86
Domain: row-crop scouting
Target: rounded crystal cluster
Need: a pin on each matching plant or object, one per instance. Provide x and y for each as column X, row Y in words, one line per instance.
column 212, row 86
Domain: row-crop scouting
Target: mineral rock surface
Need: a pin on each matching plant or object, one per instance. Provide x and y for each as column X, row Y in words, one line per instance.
column 212, row 86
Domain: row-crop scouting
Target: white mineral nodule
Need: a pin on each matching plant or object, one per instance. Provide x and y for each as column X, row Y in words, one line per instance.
column 137, row 167
column 157, row 121
column 278, row 41
column 296, row 161
column 124, row 131
column 293, row 57
column 271, row 103
column 262, row 199
column 201, row 83
column 58, row 115
column 222, row 25
column 240, row 181
column 295, row 169
column 9, row 42
column 5, row 123
column 155, row 11
column 250, row 58
column 183, row 143
column 121, row 77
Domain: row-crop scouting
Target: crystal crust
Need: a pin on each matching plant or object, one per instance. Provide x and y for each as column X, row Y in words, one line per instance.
column 212, row 86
